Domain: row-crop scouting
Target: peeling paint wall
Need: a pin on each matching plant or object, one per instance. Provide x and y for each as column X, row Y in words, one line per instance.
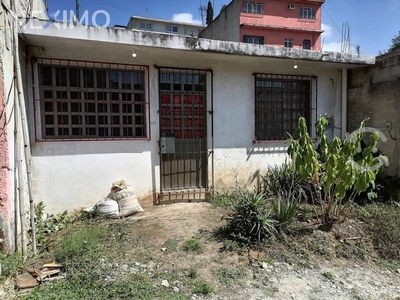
column 374, row 93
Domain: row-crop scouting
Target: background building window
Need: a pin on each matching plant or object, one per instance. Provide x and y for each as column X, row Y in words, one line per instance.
column 253, row 39
column 279, row 102
column 145, row 26
column 172, row 28
column 288, row 43
column 87, row 100
column 307, row 13
column 252, row 8
column 307, row 44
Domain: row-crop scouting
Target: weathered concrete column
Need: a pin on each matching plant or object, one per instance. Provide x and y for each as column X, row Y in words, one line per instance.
column 6, row 232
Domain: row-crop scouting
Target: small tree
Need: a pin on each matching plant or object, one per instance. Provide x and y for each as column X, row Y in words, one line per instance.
column 337, row 168
column 395, row 43
column 210, row 13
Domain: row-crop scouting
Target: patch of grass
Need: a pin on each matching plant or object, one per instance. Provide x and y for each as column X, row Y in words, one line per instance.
column 227, row 276
column 223, row 199
column 329, row 275
column 203, row 288
column 383, row 224
column 171, row 245
column 193, row 273
column 134, row 287
column 193, row 245
column 80, row 249
column 10, row 264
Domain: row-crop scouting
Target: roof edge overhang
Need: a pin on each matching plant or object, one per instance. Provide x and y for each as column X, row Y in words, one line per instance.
column 274, row 27
column 37, row 28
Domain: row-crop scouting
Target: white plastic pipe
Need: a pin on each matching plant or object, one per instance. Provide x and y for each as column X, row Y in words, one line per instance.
column 344, row 103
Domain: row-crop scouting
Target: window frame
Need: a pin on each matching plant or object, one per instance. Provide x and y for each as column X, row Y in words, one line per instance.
column 146, row 26
column 288, row 43
column 172, row 27
column 134, row 121
column 307, row 13
column 269, row 91
column 309, row 43
column 253, row 38
column 252, row 8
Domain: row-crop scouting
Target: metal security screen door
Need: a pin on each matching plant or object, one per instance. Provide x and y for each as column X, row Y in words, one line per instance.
column 183, row 127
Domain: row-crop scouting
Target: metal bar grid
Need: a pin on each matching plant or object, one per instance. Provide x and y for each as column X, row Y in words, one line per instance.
column 87, row 100
column 183, row 117
column 279, row 102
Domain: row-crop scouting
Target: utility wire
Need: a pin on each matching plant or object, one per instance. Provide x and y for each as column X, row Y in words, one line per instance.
column 341, row 33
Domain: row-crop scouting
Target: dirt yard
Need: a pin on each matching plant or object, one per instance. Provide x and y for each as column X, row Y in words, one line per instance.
column 157, row 237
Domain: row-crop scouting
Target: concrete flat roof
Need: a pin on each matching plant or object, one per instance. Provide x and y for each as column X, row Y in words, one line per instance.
column 38, row 31
column 166, row 21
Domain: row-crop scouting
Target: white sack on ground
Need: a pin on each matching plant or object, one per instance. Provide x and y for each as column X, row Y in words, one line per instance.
column 126, row 198
column 107, row 206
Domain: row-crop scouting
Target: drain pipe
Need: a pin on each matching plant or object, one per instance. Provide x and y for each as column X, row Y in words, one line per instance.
column 344, row 103
column 25, row 137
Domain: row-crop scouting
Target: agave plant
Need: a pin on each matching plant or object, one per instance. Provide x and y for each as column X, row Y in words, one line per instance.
column 251, row 220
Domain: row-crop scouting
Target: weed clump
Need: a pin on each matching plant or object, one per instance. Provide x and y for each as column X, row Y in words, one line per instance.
column 203, row 288
column 193, row 245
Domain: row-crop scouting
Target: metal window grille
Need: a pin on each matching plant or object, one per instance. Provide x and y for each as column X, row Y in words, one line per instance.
column 279, row 102
column 307, row 44
column 307, row 13
column 81, row 100
column 288, row 43
column 253, row 39
column 252, row 7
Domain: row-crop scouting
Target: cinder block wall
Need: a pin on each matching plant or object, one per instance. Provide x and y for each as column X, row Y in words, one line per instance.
column 374, row 93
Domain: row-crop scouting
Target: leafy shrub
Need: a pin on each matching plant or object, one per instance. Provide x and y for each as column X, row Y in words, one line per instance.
column 251, row 220
column 336, row 168
column 284, row 181
column 52, row 224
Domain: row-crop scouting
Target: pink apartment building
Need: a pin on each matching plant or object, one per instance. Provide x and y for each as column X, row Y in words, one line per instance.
column 284, row 23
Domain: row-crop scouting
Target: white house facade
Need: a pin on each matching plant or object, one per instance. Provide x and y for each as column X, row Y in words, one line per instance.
column 184, row 117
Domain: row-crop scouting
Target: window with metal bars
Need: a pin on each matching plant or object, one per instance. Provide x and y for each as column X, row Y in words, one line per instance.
column 253, row 39
column 79, row 100
column 279, row 102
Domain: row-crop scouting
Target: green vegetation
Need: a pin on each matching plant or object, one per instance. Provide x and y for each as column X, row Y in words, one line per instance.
column 229, row 276
column 193, row 245
column 383, row 224
column 329, row 275
column 203, row 288
column 10, row 264
column 336, row 168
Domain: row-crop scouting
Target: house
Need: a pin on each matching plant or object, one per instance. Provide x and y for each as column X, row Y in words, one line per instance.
column 374, row 94
column 181, row 118
column 282, row 23
column 164, row 26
